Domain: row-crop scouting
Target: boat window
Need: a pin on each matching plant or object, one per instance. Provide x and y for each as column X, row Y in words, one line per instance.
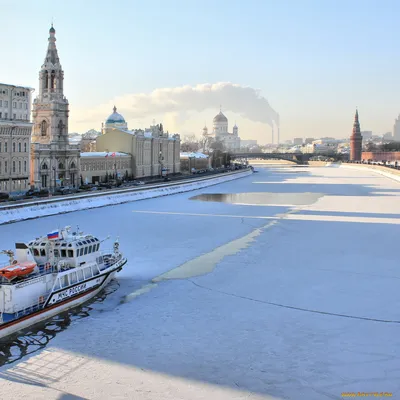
column 84, row 242
column 64, row 281
column 42, row 253
column 57, row 285
column 70, row 245
column 70, row 253
column 88, row 272
column 73, row 277
column 36, row 252
column 90, row 249
column 57, row 244
column 56, row 253
column 43, row 244
column 64, row 245
column 79, row 243
column 80, row 275
column 80, row 252
column 98, row 246
column 63, row 253
column 100, row 260
column 95, row 270
column 86, row 250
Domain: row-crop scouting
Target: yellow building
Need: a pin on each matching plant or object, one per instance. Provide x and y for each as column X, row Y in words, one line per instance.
column 151, row 150
column 96, row 166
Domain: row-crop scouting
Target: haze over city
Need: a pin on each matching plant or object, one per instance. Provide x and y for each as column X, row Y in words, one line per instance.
column 312, row 61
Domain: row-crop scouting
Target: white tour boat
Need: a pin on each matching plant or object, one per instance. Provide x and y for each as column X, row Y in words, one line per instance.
column 52, row 274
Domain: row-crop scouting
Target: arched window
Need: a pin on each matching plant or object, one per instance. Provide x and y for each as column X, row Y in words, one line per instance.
column 25, row 147
column 46, row 80
column 25, row 164
column 44, row 166
column 43, row 128
column 19, row 147
column 60, row 166
column 19, row 166
column 72, row 165
column 5, row 147
column 13, row 166
column 13, row 147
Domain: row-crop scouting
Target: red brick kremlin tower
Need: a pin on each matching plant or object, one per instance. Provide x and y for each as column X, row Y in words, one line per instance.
column 356, row 141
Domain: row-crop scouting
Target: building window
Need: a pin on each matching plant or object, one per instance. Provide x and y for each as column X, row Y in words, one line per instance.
column 13, row 147
column 0, row 147
column 60, row 166
column 14, row 116
column 5, row 103
column 20, row 105
column 0, row 168
column 13, row 167
column 5, row 147
column 44, row 166
column 14, row 104
column 19, row 147
column 25, row 146
column 26, row 106
column 1, row 103
column 25, row 166
column 0, row 115
column 25, row 116
column 43, row 128
column 5, row 115
column 72, row 165
column 19, row 167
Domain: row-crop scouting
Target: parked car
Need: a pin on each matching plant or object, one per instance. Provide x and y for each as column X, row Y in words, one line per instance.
column 37, row 193
column 4, row 196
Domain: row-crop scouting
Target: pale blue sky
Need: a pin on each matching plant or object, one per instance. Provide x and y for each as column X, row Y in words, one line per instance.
column 314, row 61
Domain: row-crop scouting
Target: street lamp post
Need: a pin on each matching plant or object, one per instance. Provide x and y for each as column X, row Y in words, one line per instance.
column 55, row 178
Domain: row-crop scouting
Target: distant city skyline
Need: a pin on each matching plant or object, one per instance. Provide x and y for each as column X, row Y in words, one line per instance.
column 293, row 54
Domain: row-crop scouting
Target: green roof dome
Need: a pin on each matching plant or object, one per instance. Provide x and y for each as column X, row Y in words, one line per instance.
column 115, row 117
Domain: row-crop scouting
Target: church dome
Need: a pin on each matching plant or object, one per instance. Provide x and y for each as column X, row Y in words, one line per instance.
column 220, row 118
column 115, row 118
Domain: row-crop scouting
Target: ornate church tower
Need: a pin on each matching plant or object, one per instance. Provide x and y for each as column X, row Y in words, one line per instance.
column 50, row 108
column 54, row 162
column 356, row 140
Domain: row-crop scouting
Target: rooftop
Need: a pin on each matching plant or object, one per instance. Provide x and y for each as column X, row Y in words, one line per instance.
column 104, row 154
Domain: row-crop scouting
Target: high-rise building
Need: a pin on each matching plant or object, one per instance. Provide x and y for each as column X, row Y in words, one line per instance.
column 366, row 135
column 396, row 129
column 54, row 161
column 356, row 140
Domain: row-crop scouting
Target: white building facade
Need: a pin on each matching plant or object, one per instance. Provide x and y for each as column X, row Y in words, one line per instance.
column 54, row 161
column 231, row 141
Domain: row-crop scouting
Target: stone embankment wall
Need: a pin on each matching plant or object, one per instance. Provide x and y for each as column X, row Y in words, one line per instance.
column 44, row 208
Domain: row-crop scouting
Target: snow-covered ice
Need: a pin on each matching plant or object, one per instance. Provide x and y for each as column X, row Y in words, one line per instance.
column 234, row 301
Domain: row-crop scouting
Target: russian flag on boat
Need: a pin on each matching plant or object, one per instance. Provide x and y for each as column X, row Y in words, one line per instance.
column 53, row 235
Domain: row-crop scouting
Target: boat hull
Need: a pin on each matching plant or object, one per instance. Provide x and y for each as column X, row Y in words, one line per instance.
column 60, row 306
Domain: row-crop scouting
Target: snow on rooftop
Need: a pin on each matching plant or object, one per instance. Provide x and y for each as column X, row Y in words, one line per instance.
column 103, row 154
column 193, row 155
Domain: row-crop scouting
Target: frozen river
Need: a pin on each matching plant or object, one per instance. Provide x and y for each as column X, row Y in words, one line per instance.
column 280, row 285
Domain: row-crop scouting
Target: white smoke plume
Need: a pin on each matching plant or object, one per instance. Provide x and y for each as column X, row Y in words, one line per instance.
column 241, row 100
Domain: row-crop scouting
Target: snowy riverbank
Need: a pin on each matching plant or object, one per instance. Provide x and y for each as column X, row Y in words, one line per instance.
column 44, row 208
column 389, row 174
